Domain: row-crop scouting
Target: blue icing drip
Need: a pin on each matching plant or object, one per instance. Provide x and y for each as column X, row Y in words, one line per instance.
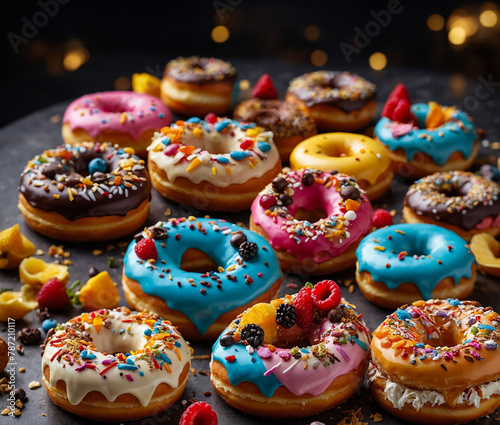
column 244, row 369
column 441, row 147
column 204, row 309
column 421, row 239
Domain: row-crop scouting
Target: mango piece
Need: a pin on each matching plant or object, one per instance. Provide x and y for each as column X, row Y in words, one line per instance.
column 14, row 247
column 99, row 292
column 35, row 272
column 486, row 249
column 436, row 116
column 17, row 304
column 146, row 83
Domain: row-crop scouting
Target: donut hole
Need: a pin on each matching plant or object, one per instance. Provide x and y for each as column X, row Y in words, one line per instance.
column 195, row 261
column 117, row 340
column 312, row 215
column 335, row 151
column 114, row 107
column 445, row 338
column 454, row 191
column 218, row 145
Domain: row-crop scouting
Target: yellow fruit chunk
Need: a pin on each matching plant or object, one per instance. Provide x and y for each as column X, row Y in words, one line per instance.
column 436, row 116
column 14, row 247
column 486, row 249
column 35, row 272
column 146, row 83
column 264, row 315
column 16, row 304
column 99, row 292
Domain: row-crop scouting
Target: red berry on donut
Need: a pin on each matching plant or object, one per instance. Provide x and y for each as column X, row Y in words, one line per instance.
column 382, row 218
column 304, row 309
column 389, row 107
column 53, row 295
column 267, row 201
column 211, row 118
column 199, row 413
column 264, row 89
column 402, row 112
column 326, row 295
column 400, row 92
column 146, row 249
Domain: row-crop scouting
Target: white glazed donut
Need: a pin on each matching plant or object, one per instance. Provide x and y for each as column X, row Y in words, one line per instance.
column 115, row 365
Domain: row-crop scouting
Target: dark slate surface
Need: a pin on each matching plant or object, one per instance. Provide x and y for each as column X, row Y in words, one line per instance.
column 23, row 139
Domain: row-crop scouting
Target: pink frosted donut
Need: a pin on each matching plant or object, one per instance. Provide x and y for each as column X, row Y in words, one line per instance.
column 125, row 118
column 313, row 220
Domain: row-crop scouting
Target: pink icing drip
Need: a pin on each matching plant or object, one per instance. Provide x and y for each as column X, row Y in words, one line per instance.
column 487, row 222
column 321, row 249
column 314, row 381
column 81, row 113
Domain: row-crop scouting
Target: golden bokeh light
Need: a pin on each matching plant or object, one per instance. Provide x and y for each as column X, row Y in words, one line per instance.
column 123, row 83
column 319, row 58
column 312, row 33
column 435, row 22
column 220, row 34
column 457, row 35
column 244, row 85
column 377, row 61
column 75, row 58
column 488, row 18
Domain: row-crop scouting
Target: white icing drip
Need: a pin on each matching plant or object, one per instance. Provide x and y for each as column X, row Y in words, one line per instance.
column 78, row 384
column 215, row 142
column 399, row 394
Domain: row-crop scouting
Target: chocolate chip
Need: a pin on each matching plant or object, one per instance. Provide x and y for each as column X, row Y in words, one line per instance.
column 335, row 315
column 93, row 271
column 43, row 314
column 297, row 355
column 285, row 199
column 158, row 233
column 350, row 192
column 333, row 172
column 226, row 340
column 73, row 179
column 279, row 184
column 237, row 239
column 99, row 177
column 138, row 237
column 29, row 336
column 307, row 179
column 20, row 394
column 52, row 169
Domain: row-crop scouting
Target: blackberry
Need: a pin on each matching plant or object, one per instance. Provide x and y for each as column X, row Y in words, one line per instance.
column 248, row 250
column 285, row 315
column 29, row 336
column 253, row 334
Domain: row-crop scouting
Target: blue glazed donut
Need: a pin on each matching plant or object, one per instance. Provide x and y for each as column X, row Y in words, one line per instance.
column 403, row 263
column 457, row 134
column 202, row 303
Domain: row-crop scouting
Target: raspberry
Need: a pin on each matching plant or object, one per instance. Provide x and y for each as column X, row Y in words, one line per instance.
column 402, row 112
column 199, row 413
column 52, row 295
column 326, row 295
column 210, row 118
column 264, row 88
column 146, row 249
column 389, row 107
column 382, row 218
column 304, row 310
column 400, row 92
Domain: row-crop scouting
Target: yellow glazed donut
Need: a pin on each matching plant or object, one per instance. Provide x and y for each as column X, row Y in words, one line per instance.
column 353, row 154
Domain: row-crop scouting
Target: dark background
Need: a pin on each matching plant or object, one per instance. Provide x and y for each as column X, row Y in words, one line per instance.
column 107, row 41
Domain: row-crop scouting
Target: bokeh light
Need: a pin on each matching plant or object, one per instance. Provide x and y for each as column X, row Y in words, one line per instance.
column 435, row 22
column 457, row 35
column 319, row 58
column 488, row 18
column 75, row 58
column 220, row 34
column 312, row 33
column 377, row 61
